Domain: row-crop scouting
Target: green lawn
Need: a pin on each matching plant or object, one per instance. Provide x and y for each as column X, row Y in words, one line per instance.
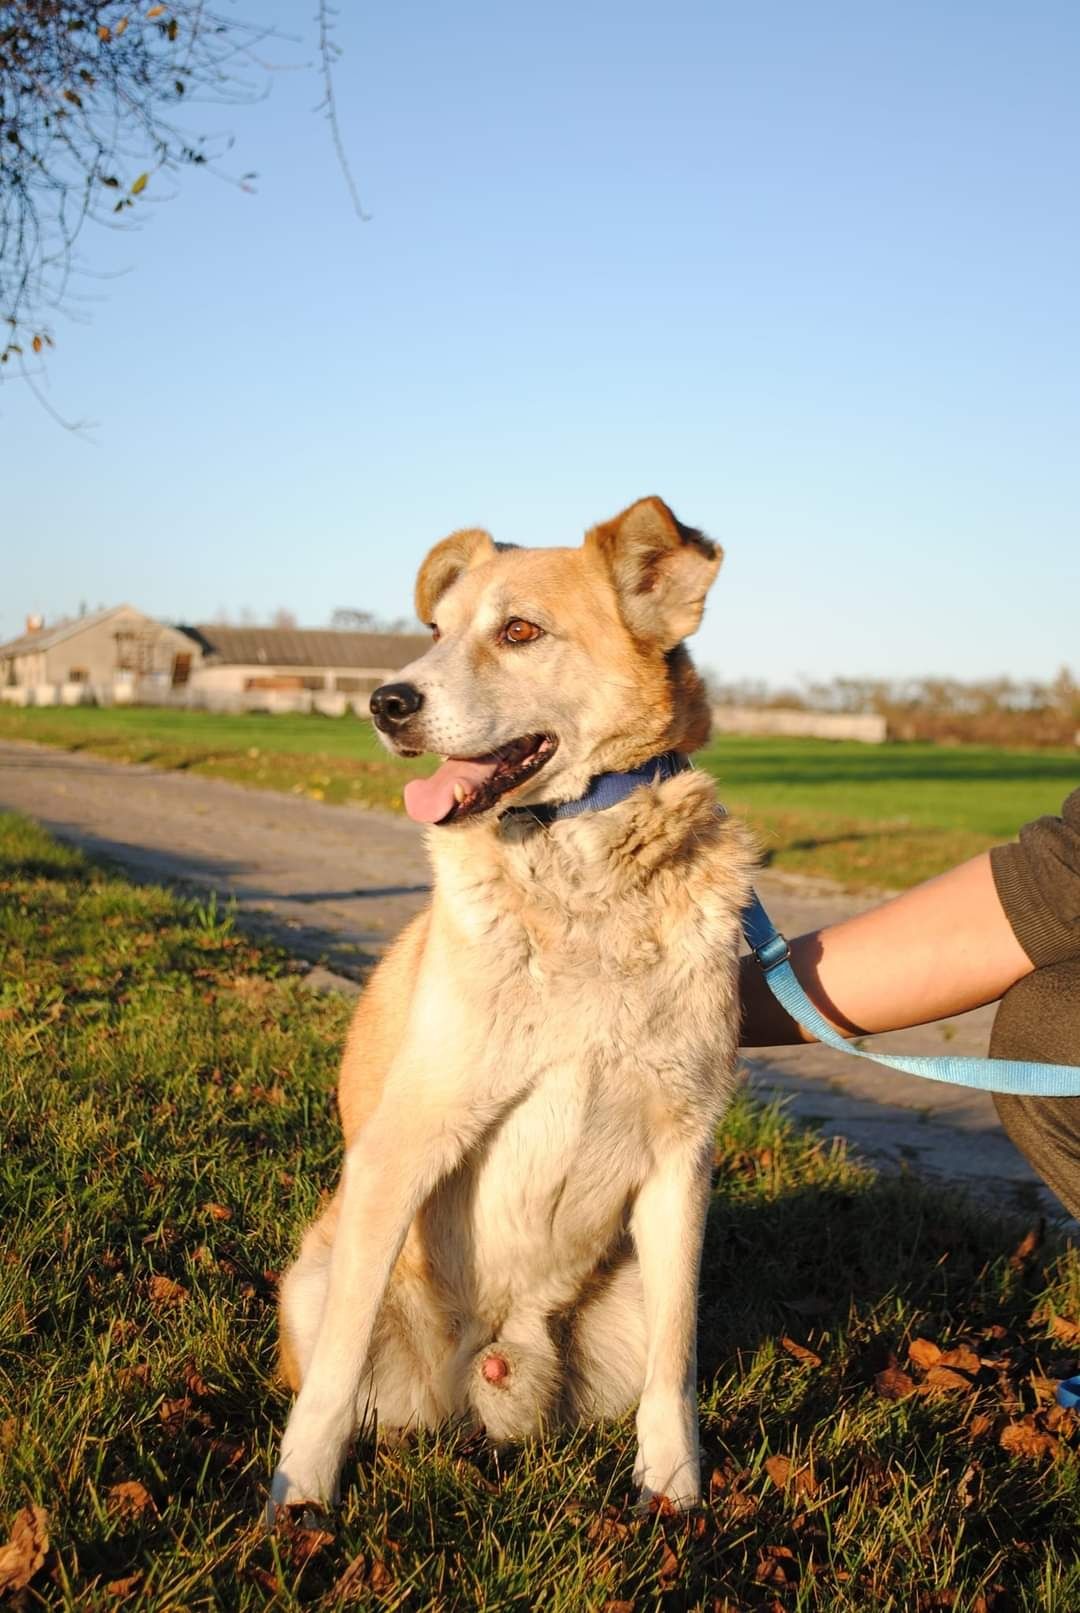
column 867, row 815
column 168, row 1122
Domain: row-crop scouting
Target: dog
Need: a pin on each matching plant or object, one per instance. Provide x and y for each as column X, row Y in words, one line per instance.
column 533, row 1077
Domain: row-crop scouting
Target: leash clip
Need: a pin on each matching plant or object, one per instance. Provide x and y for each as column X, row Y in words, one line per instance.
column 773, row 952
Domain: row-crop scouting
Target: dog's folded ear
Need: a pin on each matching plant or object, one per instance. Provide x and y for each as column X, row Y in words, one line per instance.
column 444, row 565
column 661, row 570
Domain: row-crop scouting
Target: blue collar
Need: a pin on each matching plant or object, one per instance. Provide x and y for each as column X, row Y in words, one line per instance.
column 607, row 789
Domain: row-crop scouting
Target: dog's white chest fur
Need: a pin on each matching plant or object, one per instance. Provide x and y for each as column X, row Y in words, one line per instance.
column 611, row 1024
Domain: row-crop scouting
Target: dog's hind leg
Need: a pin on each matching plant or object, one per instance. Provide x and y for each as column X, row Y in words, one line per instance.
column 410, row 1341
column 302, row 1297
column 606, row 1364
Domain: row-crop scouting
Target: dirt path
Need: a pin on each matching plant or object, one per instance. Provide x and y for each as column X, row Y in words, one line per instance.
column 335, row 884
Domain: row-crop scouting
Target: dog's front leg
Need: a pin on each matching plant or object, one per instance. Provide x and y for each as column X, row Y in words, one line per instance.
column 668, row 1225
column 390, row 1169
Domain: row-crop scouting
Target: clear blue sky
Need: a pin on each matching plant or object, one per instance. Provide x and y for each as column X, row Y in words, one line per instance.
column 810, row 272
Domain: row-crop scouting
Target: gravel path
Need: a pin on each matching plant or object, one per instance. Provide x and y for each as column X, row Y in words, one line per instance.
column 335, row 884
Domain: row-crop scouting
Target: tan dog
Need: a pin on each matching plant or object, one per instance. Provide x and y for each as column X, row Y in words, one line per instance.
column 534, row 1074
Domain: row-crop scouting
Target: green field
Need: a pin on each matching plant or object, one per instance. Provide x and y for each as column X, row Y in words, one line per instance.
column 868, row 815
column 168, row 1127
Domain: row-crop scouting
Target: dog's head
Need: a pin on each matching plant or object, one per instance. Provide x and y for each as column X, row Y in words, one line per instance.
column 550, row 666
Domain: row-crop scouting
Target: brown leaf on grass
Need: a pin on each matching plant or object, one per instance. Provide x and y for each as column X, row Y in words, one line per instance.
column 779, row 1469
column 893, row 1384
column 9, row 1432
column 124, row 1587
column 924, row 1352
column 360, row 1578
column 164, row 1293
column 1058, row 1419
column 129, row 1500
column 1023, row 1439
column 196, row 1384
column 182, row 1414
column 618, row 1607
column 668, row 1572
column 782, row 1471
column 979, row 1426
column 136, row 1377
column 1027, row 1247
column 218, row 1212
column 1065, row 1330
column 610, row 1525
column 297, row 1541
column 806, row 1357
column 967, row 1490
column 936, row 1601
column 956, row 1369
column 25, row 1550
column 777, row 1565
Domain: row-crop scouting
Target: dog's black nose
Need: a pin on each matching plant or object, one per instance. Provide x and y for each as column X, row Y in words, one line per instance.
column 394, row 704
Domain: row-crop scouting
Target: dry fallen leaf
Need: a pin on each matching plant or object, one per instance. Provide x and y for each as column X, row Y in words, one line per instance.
column 805, row 1356
column 195, row 1383
column 893, row 1384
column 218, row 1212
column 956, row 1369
column 777, row 1565
column 299, row 1543
column 668, row 1572
column 124, row 1587
column 1027, row 1246
column 1065, row 1330
column 1025, row 1440
column 783, row 1471
column 779, row 1469
column 979, row 1426
column 924, row 1353
column 967, row 1490
column 129, row 1500
column 608, row 1526
column 25, row 1550
column 165, row 1293
column 618, row 1607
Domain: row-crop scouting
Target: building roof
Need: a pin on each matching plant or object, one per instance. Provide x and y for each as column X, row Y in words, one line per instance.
column 46, row 637
column 303, row 646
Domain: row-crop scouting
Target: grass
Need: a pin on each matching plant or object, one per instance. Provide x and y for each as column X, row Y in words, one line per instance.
column 881, row 817
column 166, row 1089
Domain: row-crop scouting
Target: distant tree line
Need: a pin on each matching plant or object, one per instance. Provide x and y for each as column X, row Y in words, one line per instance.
column 989, row 710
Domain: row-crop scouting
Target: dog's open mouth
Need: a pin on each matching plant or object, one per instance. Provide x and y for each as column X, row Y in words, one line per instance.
column 467, row 785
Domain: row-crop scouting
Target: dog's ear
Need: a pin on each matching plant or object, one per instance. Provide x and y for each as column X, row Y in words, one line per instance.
column 661, row 570
column 444, row 565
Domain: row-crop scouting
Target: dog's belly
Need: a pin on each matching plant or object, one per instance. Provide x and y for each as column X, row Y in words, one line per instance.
column 526, row 1222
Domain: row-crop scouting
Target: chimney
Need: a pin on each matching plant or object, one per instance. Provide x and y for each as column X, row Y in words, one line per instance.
column 34, row 624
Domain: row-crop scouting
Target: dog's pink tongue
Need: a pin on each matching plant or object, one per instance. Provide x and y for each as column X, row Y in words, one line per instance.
column 428, row 800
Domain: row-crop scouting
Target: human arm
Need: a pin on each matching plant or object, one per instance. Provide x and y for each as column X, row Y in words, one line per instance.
column 939, row 949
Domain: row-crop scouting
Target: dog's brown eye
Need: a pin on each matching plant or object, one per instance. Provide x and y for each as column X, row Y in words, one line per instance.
column 436, row 635
column 518, row 631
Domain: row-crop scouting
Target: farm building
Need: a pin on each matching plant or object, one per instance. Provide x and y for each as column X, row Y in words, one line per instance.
column 292, row 661
column 110, row 656
column 121, row 656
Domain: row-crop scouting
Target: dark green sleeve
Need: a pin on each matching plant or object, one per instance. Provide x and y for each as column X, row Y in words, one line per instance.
column 1038, row 882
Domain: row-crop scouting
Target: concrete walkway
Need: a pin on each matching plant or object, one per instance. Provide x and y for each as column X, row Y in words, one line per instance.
column 335, row 884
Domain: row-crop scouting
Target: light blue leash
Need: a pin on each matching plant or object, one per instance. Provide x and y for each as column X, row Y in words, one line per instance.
column 771, row 950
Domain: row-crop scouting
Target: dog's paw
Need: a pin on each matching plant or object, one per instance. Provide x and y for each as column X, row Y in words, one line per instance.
column 297, row 1493
column 297, row 1518
column 668, row 1468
